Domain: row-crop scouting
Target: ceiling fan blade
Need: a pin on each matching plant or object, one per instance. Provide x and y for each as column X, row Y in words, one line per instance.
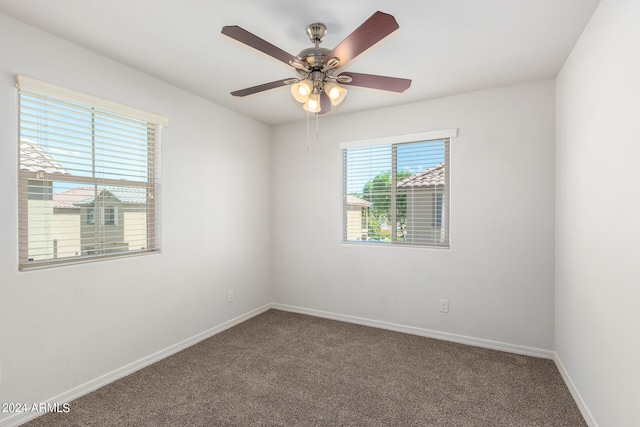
column 262, row 87
column 325, row 103
column 378, row 26
column 244, row 36
column 392, row 84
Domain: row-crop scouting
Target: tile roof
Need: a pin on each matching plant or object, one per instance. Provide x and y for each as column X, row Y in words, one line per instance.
column 69, row 198
column 356, row 201
column 429, row 178
column 83, row 196
column 128, row 194
column 34, row 159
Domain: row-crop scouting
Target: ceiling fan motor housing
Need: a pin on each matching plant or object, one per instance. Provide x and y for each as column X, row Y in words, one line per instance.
column 314, row 57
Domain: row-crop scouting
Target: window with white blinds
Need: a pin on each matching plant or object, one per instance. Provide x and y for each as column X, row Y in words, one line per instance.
column 88, row 177
column 396, row 190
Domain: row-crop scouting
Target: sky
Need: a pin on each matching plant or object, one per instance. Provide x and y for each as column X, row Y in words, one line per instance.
column 364, row 163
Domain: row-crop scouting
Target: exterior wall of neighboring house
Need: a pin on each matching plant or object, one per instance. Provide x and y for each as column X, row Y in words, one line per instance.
column 135, row 227
column 40, row 242
column 425, row 218
column 54, row 232
column 40, row 213
column 357, row 218
column 119, row 226
column 65, row 232
column 426, row 206
column 354, row 223
column 38, row 219
column 107, row 223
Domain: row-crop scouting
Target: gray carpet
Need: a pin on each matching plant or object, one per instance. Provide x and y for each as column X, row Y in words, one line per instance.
column 286, row 369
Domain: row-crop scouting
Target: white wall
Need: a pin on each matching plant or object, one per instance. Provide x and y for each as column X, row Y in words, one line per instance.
column 498, row 274
column 598, row 214
column 63, row 327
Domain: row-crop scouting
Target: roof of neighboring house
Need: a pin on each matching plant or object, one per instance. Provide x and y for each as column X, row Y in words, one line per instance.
column 128, row 194
column 429, row 178
column 69, row 198
column 34, row 159
column 84, row 196
column 357, row 201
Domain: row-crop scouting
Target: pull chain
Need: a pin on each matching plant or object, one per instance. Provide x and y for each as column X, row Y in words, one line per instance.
column 317, row 130
column 307, row 133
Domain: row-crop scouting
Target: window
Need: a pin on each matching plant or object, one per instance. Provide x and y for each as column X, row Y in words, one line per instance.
column 88, row 177
column 91, row 216
column 396, row 190
column 110, row 215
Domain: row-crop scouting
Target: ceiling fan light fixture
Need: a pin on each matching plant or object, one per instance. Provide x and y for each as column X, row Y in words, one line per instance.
column 313, row 103
column 301, row 91
column 336, row 93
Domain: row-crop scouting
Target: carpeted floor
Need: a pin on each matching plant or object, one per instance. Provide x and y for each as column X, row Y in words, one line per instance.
column 286, row 369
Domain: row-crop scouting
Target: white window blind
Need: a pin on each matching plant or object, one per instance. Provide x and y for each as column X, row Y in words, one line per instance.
column 88, row 177
column 396, row 190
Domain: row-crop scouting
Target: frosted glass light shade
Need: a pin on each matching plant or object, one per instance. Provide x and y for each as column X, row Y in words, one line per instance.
column 313, row 103
column 336, row 93
column 301, row 90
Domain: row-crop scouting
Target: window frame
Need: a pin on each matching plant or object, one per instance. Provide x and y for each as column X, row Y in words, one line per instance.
column 394, row 141
column 151, row 184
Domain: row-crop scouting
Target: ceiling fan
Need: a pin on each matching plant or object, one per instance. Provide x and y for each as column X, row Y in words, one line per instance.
column 317, row 86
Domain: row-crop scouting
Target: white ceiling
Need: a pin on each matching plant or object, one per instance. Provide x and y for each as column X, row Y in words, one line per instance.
column 445, row 46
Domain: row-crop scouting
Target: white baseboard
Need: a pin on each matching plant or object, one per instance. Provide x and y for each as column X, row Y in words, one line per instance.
column 445, row 336
column 21, row 418
column 582, row 406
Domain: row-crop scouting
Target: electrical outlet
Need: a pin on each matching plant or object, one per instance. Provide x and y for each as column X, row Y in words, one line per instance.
column 444, row 305
column 229, row 296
